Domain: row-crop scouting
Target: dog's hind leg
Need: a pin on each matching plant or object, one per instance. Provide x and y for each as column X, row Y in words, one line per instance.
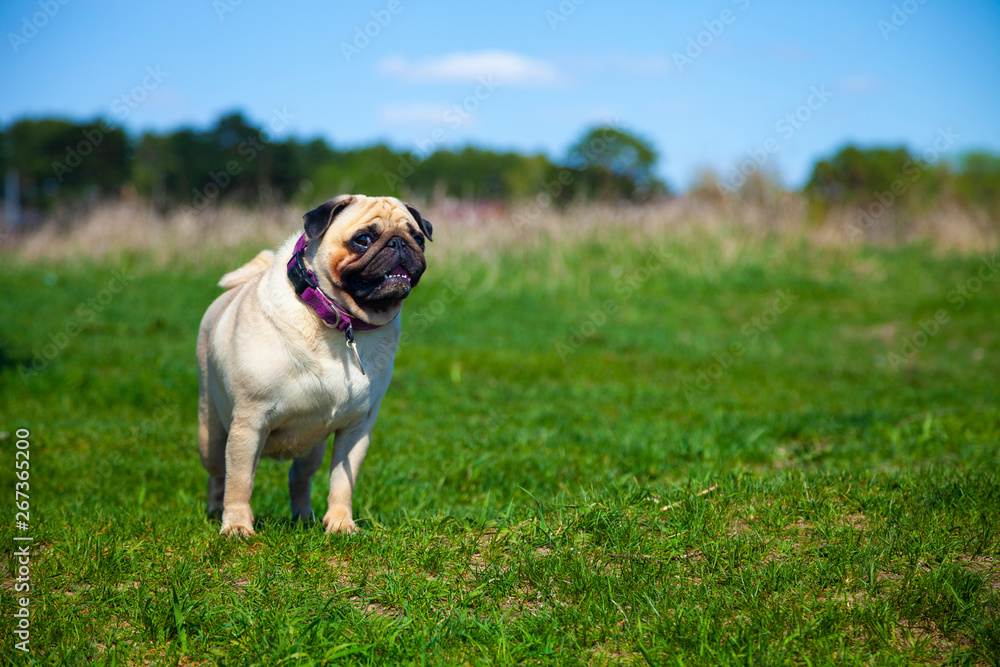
column 300, row 476
column 212, row 438
column 211, row 434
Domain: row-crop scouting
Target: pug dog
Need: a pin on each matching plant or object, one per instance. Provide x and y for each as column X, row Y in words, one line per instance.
column 301, row 347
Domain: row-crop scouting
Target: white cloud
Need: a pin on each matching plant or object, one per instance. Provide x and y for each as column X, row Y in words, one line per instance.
column 416, row 113
column 503, row 67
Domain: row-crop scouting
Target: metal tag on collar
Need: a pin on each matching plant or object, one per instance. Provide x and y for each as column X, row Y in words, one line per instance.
column 354, row 348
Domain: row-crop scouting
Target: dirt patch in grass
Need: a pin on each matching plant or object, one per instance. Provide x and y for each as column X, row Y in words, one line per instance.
column 369, row 608
column 856, row 521
column 339, row 571
column 528, row 601
column 616, row 655
column 986, row 566
column 800, row 525
column 484, row 548
column 887, row 332
column 850, row 599
column 737, row 528
column 927, row 636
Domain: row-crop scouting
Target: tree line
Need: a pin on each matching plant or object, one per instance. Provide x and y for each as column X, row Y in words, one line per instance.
column 875, row 180
column 59, row 162
column 52, row 163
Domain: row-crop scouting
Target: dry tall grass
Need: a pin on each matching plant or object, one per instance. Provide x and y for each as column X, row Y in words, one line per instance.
column 462, row 228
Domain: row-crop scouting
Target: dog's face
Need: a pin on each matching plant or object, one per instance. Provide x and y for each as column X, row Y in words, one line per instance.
column 369, row 252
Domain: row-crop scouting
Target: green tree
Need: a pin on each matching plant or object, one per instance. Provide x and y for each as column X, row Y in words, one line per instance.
column 613, row 164
column 61, row 161
column 977, row 182
column 892, row 176
column 233, row 161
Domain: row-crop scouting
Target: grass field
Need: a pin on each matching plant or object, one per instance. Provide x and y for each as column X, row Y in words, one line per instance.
column 661, row 451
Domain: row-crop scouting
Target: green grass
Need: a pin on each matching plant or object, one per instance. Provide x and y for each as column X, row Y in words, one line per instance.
column 540, row 490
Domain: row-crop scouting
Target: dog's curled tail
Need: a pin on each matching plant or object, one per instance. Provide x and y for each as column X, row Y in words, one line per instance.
column 259, row 264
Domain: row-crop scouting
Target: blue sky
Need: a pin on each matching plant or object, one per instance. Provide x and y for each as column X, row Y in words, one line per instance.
column 707, row 83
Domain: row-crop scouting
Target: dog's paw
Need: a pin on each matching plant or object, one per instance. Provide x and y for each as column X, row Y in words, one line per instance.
column 304, row 518
column 237, row 532
column 338, row 520
column 237, row 523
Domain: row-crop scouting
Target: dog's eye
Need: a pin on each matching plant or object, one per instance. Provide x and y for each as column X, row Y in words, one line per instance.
column 362, row 240
column 419, row 238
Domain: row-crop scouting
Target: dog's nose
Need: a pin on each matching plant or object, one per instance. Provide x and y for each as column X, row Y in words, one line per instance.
column 397, row 242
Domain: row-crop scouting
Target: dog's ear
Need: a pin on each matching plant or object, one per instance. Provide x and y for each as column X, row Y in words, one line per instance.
column 425, row 225
column 318, row 220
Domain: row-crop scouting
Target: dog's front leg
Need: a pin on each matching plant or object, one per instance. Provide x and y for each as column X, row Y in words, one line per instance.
column 243, row 449
column 349, row 449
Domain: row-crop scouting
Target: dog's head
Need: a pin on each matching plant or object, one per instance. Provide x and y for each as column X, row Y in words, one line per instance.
column 367, row 253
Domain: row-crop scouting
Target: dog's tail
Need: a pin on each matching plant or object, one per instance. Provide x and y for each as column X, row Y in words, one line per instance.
column 259, row 264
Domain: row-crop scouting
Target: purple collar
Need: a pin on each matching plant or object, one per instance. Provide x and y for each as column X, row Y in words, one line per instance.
column 333, row 315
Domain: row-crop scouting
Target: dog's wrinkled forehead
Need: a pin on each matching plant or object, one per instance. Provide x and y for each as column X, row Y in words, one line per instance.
column 359, row 210
column 380, row 209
